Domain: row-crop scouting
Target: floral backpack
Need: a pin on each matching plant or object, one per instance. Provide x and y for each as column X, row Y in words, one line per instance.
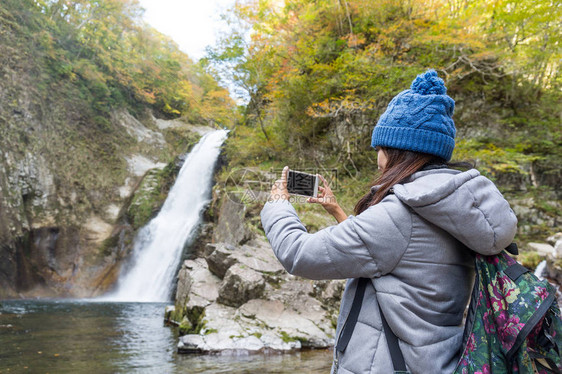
column 513, row 323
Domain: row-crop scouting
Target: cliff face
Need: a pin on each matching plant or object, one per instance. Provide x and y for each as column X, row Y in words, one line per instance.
column 66, row 178
column 64, row 200
column 81, row 85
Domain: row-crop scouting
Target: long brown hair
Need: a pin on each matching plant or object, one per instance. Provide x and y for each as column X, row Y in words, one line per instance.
column 400, row 164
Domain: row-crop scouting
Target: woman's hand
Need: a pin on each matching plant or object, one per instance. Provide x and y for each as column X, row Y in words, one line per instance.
column 327, row 199
column 279, row 190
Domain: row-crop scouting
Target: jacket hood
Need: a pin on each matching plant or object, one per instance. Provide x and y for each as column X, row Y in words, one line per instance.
column 466, row 204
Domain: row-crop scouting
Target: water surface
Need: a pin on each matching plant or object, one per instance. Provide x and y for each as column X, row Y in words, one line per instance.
column 61, row 336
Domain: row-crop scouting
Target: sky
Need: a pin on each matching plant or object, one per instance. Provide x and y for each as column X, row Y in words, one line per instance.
column 193, row 24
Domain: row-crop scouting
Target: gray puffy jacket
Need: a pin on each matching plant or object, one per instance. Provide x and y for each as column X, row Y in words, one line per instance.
column 413, row 246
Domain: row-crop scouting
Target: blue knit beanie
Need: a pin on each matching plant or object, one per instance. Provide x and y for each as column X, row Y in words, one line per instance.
column 419, row 119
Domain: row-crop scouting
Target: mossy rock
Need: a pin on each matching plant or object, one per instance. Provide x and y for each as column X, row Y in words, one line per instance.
column 530, row 259
column 151, row 194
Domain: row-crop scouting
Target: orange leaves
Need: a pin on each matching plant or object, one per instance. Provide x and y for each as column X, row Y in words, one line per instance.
column 341, row 107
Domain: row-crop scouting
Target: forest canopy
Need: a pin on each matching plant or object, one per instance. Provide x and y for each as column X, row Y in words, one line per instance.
column 316, row 76
column 106, row 49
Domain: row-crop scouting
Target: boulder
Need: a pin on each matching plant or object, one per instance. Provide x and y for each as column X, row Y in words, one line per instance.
column 258, row 255
column 240, row 284
column 230, row 226
column 542, row 249
column 557, row 253
column 197, row 287
column 554, row 238
column 220, row 258
column 554, row 268
column 226, row 333
column 257, row 307
column 292, row 325
column 184, row 285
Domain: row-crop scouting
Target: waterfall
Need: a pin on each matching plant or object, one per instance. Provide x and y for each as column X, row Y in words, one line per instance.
column 158, row 246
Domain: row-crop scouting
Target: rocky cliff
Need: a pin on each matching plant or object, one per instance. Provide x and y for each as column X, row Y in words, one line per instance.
column 234, row 296
column 69, row 206
column 90, row 102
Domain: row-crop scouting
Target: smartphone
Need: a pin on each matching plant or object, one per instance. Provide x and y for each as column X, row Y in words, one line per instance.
column 304, row 184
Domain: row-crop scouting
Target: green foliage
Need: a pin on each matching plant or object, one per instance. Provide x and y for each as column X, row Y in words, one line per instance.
column 316, row 76
column 105, row 49
column 108, row 245
column 313, row 68
column 529, row 259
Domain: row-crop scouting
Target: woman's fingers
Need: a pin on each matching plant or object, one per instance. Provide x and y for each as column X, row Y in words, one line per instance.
column 327, row 186
column 284, row 174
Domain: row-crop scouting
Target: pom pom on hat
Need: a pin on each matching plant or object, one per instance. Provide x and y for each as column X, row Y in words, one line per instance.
column 419, row 119
column 429, row 83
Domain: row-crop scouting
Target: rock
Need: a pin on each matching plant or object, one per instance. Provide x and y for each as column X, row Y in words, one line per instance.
column 240, row 284
column 554, row 238
column 220, row 259
column 221, row 256
column 136, row 129
column 541, row 248
column 202, row 290
column 190, row 344
column 259, row 308
column 258, row 255
column 214, row 343
column 557, row 253
column 554, row 269
column 184, row 285
column 230, row 227
column 290, row 324
column 329, row 292
column 226, row 333
column 169, row 315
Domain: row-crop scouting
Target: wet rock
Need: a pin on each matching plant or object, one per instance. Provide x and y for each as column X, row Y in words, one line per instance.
column 240, row 284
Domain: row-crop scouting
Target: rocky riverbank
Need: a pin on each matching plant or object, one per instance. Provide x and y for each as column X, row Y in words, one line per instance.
column 235, row 296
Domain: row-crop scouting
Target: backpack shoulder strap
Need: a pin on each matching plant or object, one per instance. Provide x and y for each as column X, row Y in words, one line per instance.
column 395, row 353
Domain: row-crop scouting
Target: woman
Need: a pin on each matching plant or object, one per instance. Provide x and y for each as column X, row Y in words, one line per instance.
column 411, row 235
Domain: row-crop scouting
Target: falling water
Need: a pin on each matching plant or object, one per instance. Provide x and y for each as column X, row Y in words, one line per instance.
column 158, row 246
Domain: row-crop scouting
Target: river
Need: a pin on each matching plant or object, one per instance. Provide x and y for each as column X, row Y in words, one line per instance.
column 63, row 336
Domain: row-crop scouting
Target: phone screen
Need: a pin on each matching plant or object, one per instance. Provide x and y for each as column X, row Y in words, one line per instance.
column 302, row 183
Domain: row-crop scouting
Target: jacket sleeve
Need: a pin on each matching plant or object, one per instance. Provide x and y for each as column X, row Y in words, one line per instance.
column 367, row 245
